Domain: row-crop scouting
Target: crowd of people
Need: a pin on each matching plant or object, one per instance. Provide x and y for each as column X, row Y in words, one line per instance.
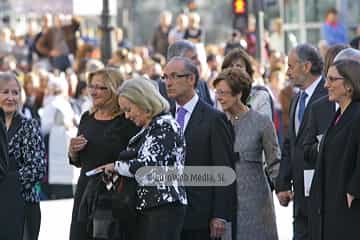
column 290, row 127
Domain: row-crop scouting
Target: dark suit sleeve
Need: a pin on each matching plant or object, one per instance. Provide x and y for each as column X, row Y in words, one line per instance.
column 283, row 181
column 310, row 141
column 222, row 155
column 3, row 148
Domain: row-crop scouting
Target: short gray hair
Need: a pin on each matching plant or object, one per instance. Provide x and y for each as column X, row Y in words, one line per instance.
column 308, row 53
column 348, row 54
column 180, row 48
column 189, row 66
column 144, row 94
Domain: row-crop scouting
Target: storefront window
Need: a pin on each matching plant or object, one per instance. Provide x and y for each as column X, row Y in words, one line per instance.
column 291, row 39
column 291, row 11
column 313, row 36
column 315, row 9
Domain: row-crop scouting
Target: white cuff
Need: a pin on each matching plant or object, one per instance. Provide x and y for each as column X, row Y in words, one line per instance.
column 123, row 169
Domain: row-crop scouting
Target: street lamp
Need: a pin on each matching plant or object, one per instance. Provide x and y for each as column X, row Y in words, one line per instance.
column 106, row 29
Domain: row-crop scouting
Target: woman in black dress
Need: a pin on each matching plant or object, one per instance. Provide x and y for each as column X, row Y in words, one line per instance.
column 103, row 133
column 335, row 191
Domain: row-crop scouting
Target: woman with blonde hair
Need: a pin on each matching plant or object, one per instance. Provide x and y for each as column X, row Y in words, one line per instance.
column 103, row 132
column 160, row 145
column 20, row 198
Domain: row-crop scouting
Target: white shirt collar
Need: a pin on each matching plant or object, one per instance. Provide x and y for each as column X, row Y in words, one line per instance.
column 311, row 89
column 190, row 105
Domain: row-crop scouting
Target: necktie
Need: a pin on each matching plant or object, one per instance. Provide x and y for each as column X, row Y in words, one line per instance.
column 302, row 106
column 181, row 117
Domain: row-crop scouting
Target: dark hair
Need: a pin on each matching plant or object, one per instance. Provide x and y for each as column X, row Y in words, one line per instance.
column 180, row 48
column 331, row 11
column 350, row 70
column 355, row 42
column 236, row 54
column 210, row 57
column 79, row 88
column 238, row 80
column 331, row 54
column 308, row 53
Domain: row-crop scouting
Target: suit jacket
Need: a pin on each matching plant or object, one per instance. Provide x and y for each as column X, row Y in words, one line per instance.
column 321, row 113
column 337, row 173
column 202, row 90
column 4, row 157
column 209, row 141
column 292, row 162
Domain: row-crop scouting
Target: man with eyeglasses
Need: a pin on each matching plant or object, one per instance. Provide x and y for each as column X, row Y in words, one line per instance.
column 304, row 71
column 3, row 147
column 187, row 49
column 209, row 142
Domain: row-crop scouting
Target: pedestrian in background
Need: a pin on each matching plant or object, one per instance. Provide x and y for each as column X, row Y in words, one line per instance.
column 333, row 31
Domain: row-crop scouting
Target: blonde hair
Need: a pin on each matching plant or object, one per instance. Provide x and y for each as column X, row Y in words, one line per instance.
column 112, row 79
column 141, row 92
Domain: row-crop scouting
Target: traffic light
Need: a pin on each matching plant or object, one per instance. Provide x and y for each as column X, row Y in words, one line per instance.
column 239, row 7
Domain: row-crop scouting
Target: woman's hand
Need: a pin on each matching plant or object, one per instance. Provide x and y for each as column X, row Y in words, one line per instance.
column 108, row 168
column 350, row 198
column 77, row 144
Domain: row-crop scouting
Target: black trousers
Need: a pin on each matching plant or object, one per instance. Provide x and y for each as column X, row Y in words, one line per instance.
column 161, row 223
column 32, row 221
column 301, row 227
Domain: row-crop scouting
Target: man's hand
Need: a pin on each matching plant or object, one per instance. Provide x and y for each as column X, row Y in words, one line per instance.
column 285, row 197
column 217, row 227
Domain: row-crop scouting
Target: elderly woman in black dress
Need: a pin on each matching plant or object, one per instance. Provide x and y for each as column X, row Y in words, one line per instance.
column 335, row 190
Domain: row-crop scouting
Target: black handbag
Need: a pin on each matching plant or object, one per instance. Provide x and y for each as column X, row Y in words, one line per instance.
column 115, row 209
column 124, row 199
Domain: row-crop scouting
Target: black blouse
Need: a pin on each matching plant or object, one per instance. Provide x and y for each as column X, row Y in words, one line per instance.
column 106, row 138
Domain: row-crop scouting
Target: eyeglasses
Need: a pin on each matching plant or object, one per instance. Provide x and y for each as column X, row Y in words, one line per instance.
column 97, row 87
column 174, row 76
column 333, row 79
column 221, row 93
column 12, row 92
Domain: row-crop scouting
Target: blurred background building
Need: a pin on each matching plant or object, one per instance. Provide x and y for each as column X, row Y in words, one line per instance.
column 302, row 19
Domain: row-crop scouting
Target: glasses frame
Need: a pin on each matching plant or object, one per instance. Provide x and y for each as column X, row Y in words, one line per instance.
column 175, row 76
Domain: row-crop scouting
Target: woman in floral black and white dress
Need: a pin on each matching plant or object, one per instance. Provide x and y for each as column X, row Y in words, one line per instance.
column 20, row 208
column 160, row 204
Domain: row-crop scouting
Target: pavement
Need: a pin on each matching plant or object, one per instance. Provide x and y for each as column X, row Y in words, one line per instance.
column 56, row 218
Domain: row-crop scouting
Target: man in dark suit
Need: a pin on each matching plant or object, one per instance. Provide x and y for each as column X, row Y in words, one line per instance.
column 209, row 142
column 3, row 147
column 304, row 70
column 185, row 48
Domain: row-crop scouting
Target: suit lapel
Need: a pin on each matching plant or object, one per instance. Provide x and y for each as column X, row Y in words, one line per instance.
column 292, row 130
column 319, row 92
column 195, row 118
column 345, row 119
